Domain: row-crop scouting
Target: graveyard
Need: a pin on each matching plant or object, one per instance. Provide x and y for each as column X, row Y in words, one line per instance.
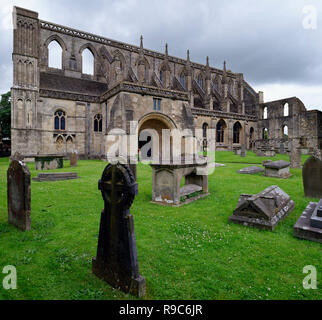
column 186, row 252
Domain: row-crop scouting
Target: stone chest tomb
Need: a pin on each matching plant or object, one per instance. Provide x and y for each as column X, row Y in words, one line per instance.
column 309, row 225
column 263, row 210
column 49, row 162
column 277, row 169
column 166, row 180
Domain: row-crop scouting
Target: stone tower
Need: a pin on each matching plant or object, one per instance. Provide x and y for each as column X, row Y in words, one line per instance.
column 25, row 90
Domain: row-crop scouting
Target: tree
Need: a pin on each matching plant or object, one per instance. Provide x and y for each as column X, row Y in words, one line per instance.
column 5, row 115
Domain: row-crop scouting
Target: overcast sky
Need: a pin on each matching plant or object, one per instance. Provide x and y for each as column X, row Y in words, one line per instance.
column 276, row 44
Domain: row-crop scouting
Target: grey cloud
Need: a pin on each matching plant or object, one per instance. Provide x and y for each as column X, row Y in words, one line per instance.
column 264, row 39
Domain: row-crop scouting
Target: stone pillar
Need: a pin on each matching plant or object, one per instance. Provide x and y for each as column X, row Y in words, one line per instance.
column 295, row 156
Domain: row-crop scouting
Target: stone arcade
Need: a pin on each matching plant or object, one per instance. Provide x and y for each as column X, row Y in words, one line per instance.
column 61, row 110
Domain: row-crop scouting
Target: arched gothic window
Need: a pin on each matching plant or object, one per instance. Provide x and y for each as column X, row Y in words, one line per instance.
column 161, row 77
column 87, row 62
column 286, row 110
column 55, row 55
column 265, row 134
column 265, row 113
column 236, row 132
column 60, row 120
column 183, row 80
column 221, row 125
column 204, row 130
column 200, row 81
column 285, row 132
column 98, row 123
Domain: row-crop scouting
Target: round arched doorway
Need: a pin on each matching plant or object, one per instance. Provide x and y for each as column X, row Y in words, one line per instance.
column 151, row 135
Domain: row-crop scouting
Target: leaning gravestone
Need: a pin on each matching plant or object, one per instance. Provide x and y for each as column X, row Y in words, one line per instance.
column 263, row 210
column 19, row 198
column 116, row 261
column 312, row 178
column 282, row 148
column 73, row 159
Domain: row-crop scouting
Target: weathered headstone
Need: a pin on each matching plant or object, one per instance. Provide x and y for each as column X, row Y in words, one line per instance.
column 309, row 225
column 237, row 151
column 243, row 151
column 73, row 159
column 251, row 170
column 263, row 210
column 19, row 195
column 277, row 169
column 282, row 148
column 312, row 178
column 116, row 261
column 17, row 157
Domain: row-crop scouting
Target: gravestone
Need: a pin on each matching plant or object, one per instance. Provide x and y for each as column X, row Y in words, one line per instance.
column 243, row 151
column 312, row 178
column 73, row 159
column 277, row 169
column 251, row 170
column 237, row 151
column 309, row 225
column 282, row 148
column 116, row 261
column 17, row 157
column 263, row 210
column 19, row 195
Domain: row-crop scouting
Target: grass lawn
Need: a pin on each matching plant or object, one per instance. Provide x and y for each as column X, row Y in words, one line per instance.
column 191, row 252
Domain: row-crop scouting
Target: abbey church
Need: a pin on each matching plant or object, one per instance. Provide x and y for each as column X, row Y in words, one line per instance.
column 58, row 111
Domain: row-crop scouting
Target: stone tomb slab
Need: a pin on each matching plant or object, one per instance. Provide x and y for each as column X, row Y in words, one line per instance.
column 19, row 195
column 307, row 226
column 263, row 210
column 277, row 169
column 55, row 176
column 251, row 170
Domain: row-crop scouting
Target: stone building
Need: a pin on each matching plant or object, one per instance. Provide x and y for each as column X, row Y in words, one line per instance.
column 60, row 110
